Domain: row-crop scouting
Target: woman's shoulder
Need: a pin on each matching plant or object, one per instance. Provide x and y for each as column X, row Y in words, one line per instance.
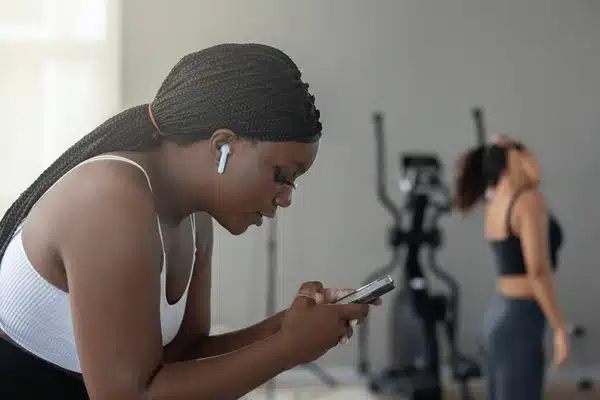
column 528, row 201
column 95, row 192
column 113, row 175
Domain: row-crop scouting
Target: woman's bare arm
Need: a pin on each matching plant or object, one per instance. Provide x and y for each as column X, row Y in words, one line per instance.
column 111, row 251
column 532, row 224
column 198, row 346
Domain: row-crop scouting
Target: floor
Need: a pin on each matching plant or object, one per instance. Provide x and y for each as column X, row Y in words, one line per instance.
column 357, row 392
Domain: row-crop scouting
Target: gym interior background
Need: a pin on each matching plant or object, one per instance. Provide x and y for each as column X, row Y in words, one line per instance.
column 531, row 64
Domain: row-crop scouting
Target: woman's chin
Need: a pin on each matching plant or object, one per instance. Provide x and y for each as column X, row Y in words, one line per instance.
column 240, row 224
column 238, row 229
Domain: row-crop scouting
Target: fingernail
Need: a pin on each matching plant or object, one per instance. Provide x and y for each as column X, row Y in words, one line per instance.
column 354, row 322
column 320, row 298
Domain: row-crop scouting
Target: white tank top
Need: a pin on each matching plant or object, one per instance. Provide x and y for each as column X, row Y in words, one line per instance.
column 37, row 316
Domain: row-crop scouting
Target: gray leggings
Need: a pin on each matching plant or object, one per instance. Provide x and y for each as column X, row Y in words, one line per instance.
column 514, row 349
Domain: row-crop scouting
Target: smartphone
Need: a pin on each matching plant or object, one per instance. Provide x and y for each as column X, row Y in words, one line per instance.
column 369, row 292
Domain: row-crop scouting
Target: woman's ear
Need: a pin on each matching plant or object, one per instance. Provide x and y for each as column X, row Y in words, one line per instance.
column 218, row 140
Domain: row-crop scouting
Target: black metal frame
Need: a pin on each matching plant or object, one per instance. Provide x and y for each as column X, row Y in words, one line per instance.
column 423, row 381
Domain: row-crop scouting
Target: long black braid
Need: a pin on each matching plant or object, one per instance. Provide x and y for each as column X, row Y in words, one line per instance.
column 253, row 89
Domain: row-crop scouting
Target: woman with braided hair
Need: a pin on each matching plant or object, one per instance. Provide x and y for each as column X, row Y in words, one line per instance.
column 105, row 258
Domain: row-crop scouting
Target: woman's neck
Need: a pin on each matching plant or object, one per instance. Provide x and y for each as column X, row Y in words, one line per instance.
column 174, row 201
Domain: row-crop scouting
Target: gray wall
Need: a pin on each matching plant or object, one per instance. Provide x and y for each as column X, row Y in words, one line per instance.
column 533, row 65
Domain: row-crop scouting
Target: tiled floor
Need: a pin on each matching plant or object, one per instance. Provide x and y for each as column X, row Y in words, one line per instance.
column 315, row 393
column 361, row 393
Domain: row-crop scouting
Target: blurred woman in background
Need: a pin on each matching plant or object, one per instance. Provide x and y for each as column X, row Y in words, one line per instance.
column 525, row 239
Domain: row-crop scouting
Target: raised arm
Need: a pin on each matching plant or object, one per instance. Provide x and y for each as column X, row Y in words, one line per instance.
column 532, row 225
column 111, row 253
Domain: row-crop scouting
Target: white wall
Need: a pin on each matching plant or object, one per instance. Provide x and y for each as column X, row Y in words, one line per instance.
column 533, row 65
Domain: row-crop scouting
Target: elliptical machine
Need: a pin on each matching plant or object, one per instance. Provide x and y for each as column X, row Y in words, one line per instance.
column 415, row 372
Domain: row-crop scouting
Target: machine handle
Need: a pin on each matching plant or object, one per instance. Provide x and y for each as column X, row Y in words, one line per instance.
column 381, row 170
column 479, row 125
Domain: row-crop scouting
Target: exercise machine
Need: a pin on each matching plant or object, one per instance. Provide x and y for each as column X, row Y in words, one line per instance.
column 415, row 372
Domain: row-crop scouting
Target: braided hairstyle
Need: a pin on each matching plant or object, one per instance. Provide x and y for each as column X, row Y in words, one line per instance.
column 253, row 89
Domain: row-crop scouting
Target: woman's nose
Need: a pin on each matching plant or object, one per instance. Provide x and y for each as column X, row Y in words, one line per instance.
column 284, row 197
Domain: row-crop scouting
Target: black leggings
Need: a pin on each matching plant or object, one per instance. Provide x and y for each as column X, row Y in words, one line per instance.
column 514, row 349
column 24, row 376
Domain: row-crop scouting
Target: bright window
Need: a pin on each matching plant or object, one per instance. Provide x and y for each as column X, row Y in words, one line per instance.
column 59, row 78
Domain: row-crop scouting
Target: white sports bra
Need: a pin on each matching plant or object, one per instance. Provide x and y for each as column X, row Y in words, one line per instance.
column 37, row 316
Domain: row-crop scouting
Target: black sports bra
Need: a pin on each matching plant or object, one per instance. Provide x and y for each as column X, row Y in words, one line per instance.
column 508, row 252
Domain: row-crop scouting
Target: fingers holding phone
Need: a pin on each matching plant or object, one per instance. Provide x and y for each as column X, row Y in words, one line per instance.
column 313, row 290
column 366, row 295
column 311, row 329
column 351, row 323
column 352, row 306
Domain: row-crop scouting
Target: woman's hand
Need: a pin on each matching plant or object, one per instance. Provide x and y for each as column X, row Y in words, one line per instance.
column 321, row 295
column 502, row 140
column 310, row 328
column 561, row 347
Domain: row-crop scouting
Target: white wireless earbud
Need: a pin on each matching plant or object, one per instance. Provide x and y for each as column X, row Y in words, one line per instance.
column 224, row 153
